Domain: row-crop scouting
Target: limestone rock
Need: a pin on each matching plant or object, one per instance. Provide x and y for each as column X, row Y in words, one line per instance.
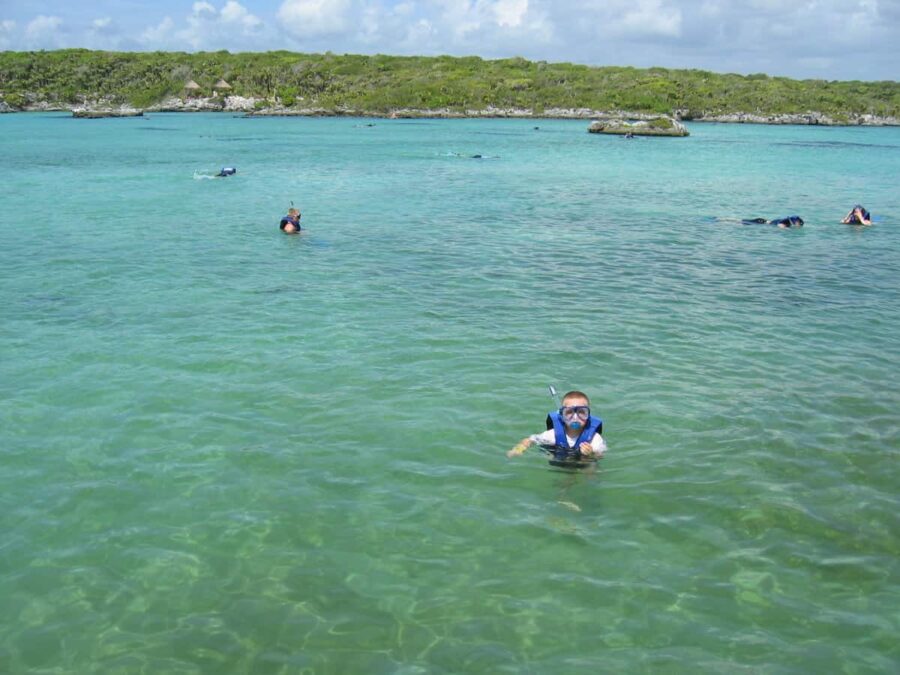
column 659, row 126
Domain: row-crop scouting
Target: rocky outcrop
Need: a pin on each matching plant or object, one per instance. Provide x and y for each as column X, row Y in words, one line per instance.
column 188, row 104
column 98, row 114
column 239, row 103
column 808, row 118
column 42, row 106
column 301, row 108
column 104, row 107
column 660, row 126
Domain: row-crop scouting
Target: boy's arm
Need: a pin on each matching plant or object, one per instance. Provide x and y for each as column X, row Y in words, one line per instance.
column 519, row 447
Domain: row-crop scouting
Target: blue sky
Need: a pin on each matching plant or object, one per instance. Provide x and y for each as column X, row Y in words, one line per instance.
column 827, row 39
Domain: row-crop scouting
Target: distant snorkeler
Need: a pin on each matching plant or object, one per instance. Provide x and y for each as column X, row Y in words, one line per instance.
column 858, row 216
column 787, row 221
column 290, row 224
column 226, row 171
column 475, row 156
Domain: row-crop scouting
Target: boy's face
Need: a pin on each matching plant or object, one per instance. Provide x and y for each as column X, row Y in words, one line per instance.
column 575, row 412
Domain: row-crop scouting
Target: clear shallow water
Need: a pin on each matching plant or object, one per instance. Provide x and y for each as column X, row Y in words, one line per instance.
column 227, row 450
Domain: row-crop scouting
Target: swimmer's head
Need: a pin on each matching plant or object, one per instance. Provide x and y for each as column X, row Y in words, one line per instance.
column 575, row 410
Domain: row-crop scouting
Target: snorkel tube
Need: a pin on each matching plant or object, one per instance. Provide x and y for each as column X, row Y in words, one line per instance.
column 555, row 396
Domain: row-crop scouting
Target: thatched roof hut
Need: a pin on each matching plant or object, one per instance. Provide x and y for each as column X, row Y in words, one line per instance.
column 221, row 85
column 191, row 88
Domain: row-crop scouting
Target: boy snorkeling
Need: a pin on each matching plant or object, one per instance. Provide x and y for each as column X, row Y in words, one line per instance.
column 290, row 224
column 572, row 435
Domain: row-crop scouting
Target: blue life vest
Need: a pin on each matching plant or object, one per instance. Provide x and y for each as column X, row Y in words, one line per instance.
column 562, row 454
column 292, row 220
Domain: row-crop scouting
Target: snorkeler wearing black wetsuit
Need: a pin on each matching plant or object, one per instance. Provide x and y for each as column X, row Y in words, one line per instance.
column 787, row 221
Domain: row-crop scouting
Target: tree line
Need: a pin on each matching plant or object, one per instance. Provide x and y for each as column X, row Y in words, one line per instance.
column 382, row 83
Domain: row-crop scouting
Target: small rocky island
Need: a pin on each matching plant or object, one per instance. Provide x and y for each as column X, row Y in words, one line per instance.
column 659, row 126
column 87, row 113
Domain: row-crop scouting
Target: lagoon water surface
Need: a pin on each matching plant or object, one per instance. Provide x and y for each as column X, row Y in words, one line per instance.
column 226, row 450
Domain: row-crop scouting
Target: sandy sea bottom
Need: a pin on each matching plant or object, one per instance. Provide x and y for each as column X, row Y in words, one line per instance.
column 228, row 450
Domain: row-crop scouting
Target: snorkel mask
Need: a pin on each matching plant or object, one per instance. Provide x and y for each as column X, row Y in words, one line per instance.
column 575, row 416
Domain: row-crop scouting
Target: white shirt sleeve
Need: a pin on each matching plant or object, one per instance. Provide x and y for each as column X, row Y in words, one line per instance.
column 546, row 438
column 549, row 438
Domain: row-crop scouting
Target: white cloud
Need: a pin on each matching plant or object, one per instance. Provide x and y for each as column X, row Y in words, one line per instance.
column 160, row 35
column 231, row 28
column 103, row 33
column 234, row 13
column 487, row 27
column 421, row 32
column 458, row 17
column 404, row 8
column 104, row 28
column 7, row 26
column 200, row 9
column 650, row 17
column 510, row 13
column 314, row 18
column 44, row 31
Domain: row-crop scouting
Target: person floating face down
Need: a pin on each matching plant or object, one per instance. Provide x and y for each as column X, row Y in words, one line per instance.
column 858, row 216
column 226, row 171
column 290, row 224
column 787, row 221
column 572, row 431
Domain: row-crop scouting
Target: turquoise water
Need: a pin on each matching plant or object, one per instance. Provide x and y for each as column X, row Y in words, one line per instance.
column 225, row 450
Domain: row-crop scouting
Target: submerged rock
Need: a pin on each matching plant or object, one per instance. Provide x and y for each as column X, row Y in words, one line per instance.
column 659, row 126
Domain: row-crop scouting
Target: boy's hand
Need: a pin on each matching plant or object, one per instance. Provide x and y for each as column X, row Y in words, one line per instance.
column 588, row 450
column 518, row 449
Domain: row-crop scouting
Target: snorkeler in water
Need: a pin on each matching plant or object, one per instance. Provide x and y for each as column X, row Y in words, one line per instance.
column 787, row 221
column 858, row 216
column 290, row 224
column 572, row 436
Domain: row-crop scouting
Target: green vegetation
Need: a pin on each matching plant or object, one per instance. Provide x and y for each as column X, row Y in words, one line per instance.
column 380, row 84
column 662, row 123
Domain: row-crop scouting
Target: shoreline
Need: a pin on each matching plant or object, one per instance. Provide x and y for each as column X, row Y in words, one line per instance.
column 249, row 107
